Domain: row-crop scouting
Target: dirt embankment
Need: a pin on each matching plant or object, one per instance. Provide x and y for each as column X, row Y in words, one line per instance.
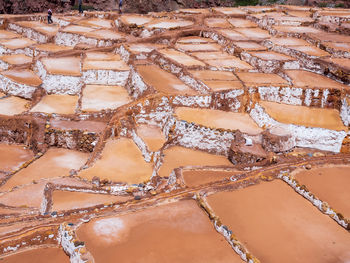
column 135, row 6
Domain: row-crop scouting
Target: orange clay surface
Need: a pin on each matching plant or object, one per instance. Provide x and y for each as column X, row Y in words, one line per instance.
column 194, row 178
column 38, row 255
column 59, row 104
column 152, row 136
column 330, row 184
column 304, row 116
column 121, row 161
column 12, row 156
column 177, row 156
column 219, row 119
column 54, row 163
column 12, row 106
column 177, row 232
column 271, row 215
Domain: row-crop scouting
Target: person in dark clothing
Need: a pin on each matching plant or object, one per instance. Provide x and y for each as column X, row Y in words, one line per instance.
column 81, row 6
column 120, row 5
column 49, row 15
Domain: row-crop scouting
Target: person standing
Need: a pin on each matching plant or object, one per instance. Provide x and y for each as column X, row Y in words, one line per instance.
column 80, row 6
column 49, row 17
column 120, row 6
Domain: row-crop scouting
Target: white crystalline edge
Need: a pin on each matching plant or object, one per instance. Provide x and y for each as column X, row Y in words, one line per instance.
column 315, row 201
column 124, row 53
column 199, row 101
column 13, row 88
column 3, row 65
column 147, row 154
column 105, row 77
column 29, row 33
column 192, row 136
column 66, row 240
column 59, row 84
column 137, row 84
column 345, row 112
column 71, row 40
column 318, row 138
column 285, row 95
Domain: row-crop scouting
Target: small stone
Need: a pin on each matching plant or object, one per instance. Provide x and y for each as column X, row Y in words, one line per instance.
column 137, row 197
column 308, row 167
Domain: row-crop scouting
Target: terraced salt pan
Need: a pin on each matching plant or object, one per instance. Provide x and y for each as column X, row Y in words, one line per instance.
column 217, row 22
column 38, row 255
column 66, row 200
column 162, row 81
column 99, row 97
column 177, row 156
column 152, row 136
column 194, row 40
column 135, row 19
column 213, row 55
column 296, row 30
column 219, row 119
column 237, row 22
column 181, row 58
column 311, row 51
column 304, row 116
column 168, row 24
column 121, row 161
column 4, row 34
column 248, row 46
column 17, row 43
column 213, row 75
column 75, row 29
column 90, row 126
column 276, row 224
column 16, row 59
column 288, row 41
column 96, row 22
column 50, row 48
column 193, row 178
column 13, row 156
column 116, row 65
column 338, row 46
column 21, row 83
column 69, row 66
column 329, row 37
column 221, row 85
column 257, row 79
column 198, row 47
column 176, row 232
column 302, row 79
column 105, row 34
column 230, row 11
column 58, row 104
column 271, row 55
column 13, row 105
column 253, row 33
column 233, row 35
column 233, row 63
column 144, row 47
column 340, row 62
column 55, row 162
column 330, row 184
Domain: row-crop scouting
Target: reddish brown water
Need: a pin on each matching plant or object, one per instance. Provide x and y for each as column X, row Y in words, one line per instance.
column 12, row 156
column 23, row 76
column 16, row 59
column 177, row 156
column 38, row 255
column 177, row 232
column 121, row 161
column 13, row 105
column 55, row 163
column 181, row 57
column 253, row 79
column 62, row 66
column 219, row 119
column 330, row 184
column 302, row 78
column 163, row 81
column 99, row 97
column 152, row 136
column 65, row 200
column 59, row 104
column 278, row 225
column 195, row 178
column 304, row 116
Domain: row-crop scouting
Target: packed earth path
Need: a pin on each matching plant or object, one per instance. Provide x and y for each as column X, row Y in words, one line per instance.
column 198, row 135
